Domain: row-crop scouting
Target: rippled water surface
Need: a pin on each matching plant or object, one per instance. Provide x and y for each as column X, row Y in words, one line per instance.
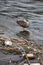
column 11, row 10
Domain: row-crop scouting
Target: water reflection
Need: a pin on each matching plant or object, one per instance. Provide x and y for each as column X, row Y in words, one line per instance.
column 25, row 34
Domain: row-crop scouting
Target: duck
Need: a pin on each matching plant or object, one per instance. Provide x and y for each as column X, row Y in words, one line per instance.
column 23, row 23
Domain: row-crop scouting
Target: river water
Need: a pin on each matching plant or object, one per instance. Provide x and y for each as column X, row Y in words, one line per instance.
column 11, row 10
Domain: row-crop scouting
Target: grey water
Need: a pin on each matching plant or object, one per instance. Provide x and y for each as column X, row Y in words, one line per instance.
column 11, row 10
column 32, row 10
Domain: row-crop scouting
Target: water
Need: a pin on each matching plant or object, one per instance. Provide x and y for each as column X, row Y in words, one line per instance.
column 11, row 10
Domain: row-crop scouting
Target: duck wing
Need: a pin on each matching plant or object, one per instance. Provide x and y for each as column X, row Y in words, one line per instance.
column 22, row 23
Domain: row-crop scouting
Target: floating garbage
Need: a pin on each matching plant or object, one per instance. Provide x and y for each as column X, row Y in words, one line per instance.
column 25, row 51
column 25, row 64
column 8, row 43
column 30, row 56
column 35, row 63
column 22, row 51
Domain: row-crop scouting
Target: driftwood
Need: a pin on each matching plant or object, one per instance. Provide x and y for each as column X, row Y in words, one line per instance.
column 13, row 39
column 22, row 42
column 11, row 48
column 18, row 41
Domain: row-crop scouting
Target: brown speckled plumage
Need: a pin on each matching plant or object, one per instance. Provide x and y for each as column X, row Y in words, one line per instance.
column 23, row 23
